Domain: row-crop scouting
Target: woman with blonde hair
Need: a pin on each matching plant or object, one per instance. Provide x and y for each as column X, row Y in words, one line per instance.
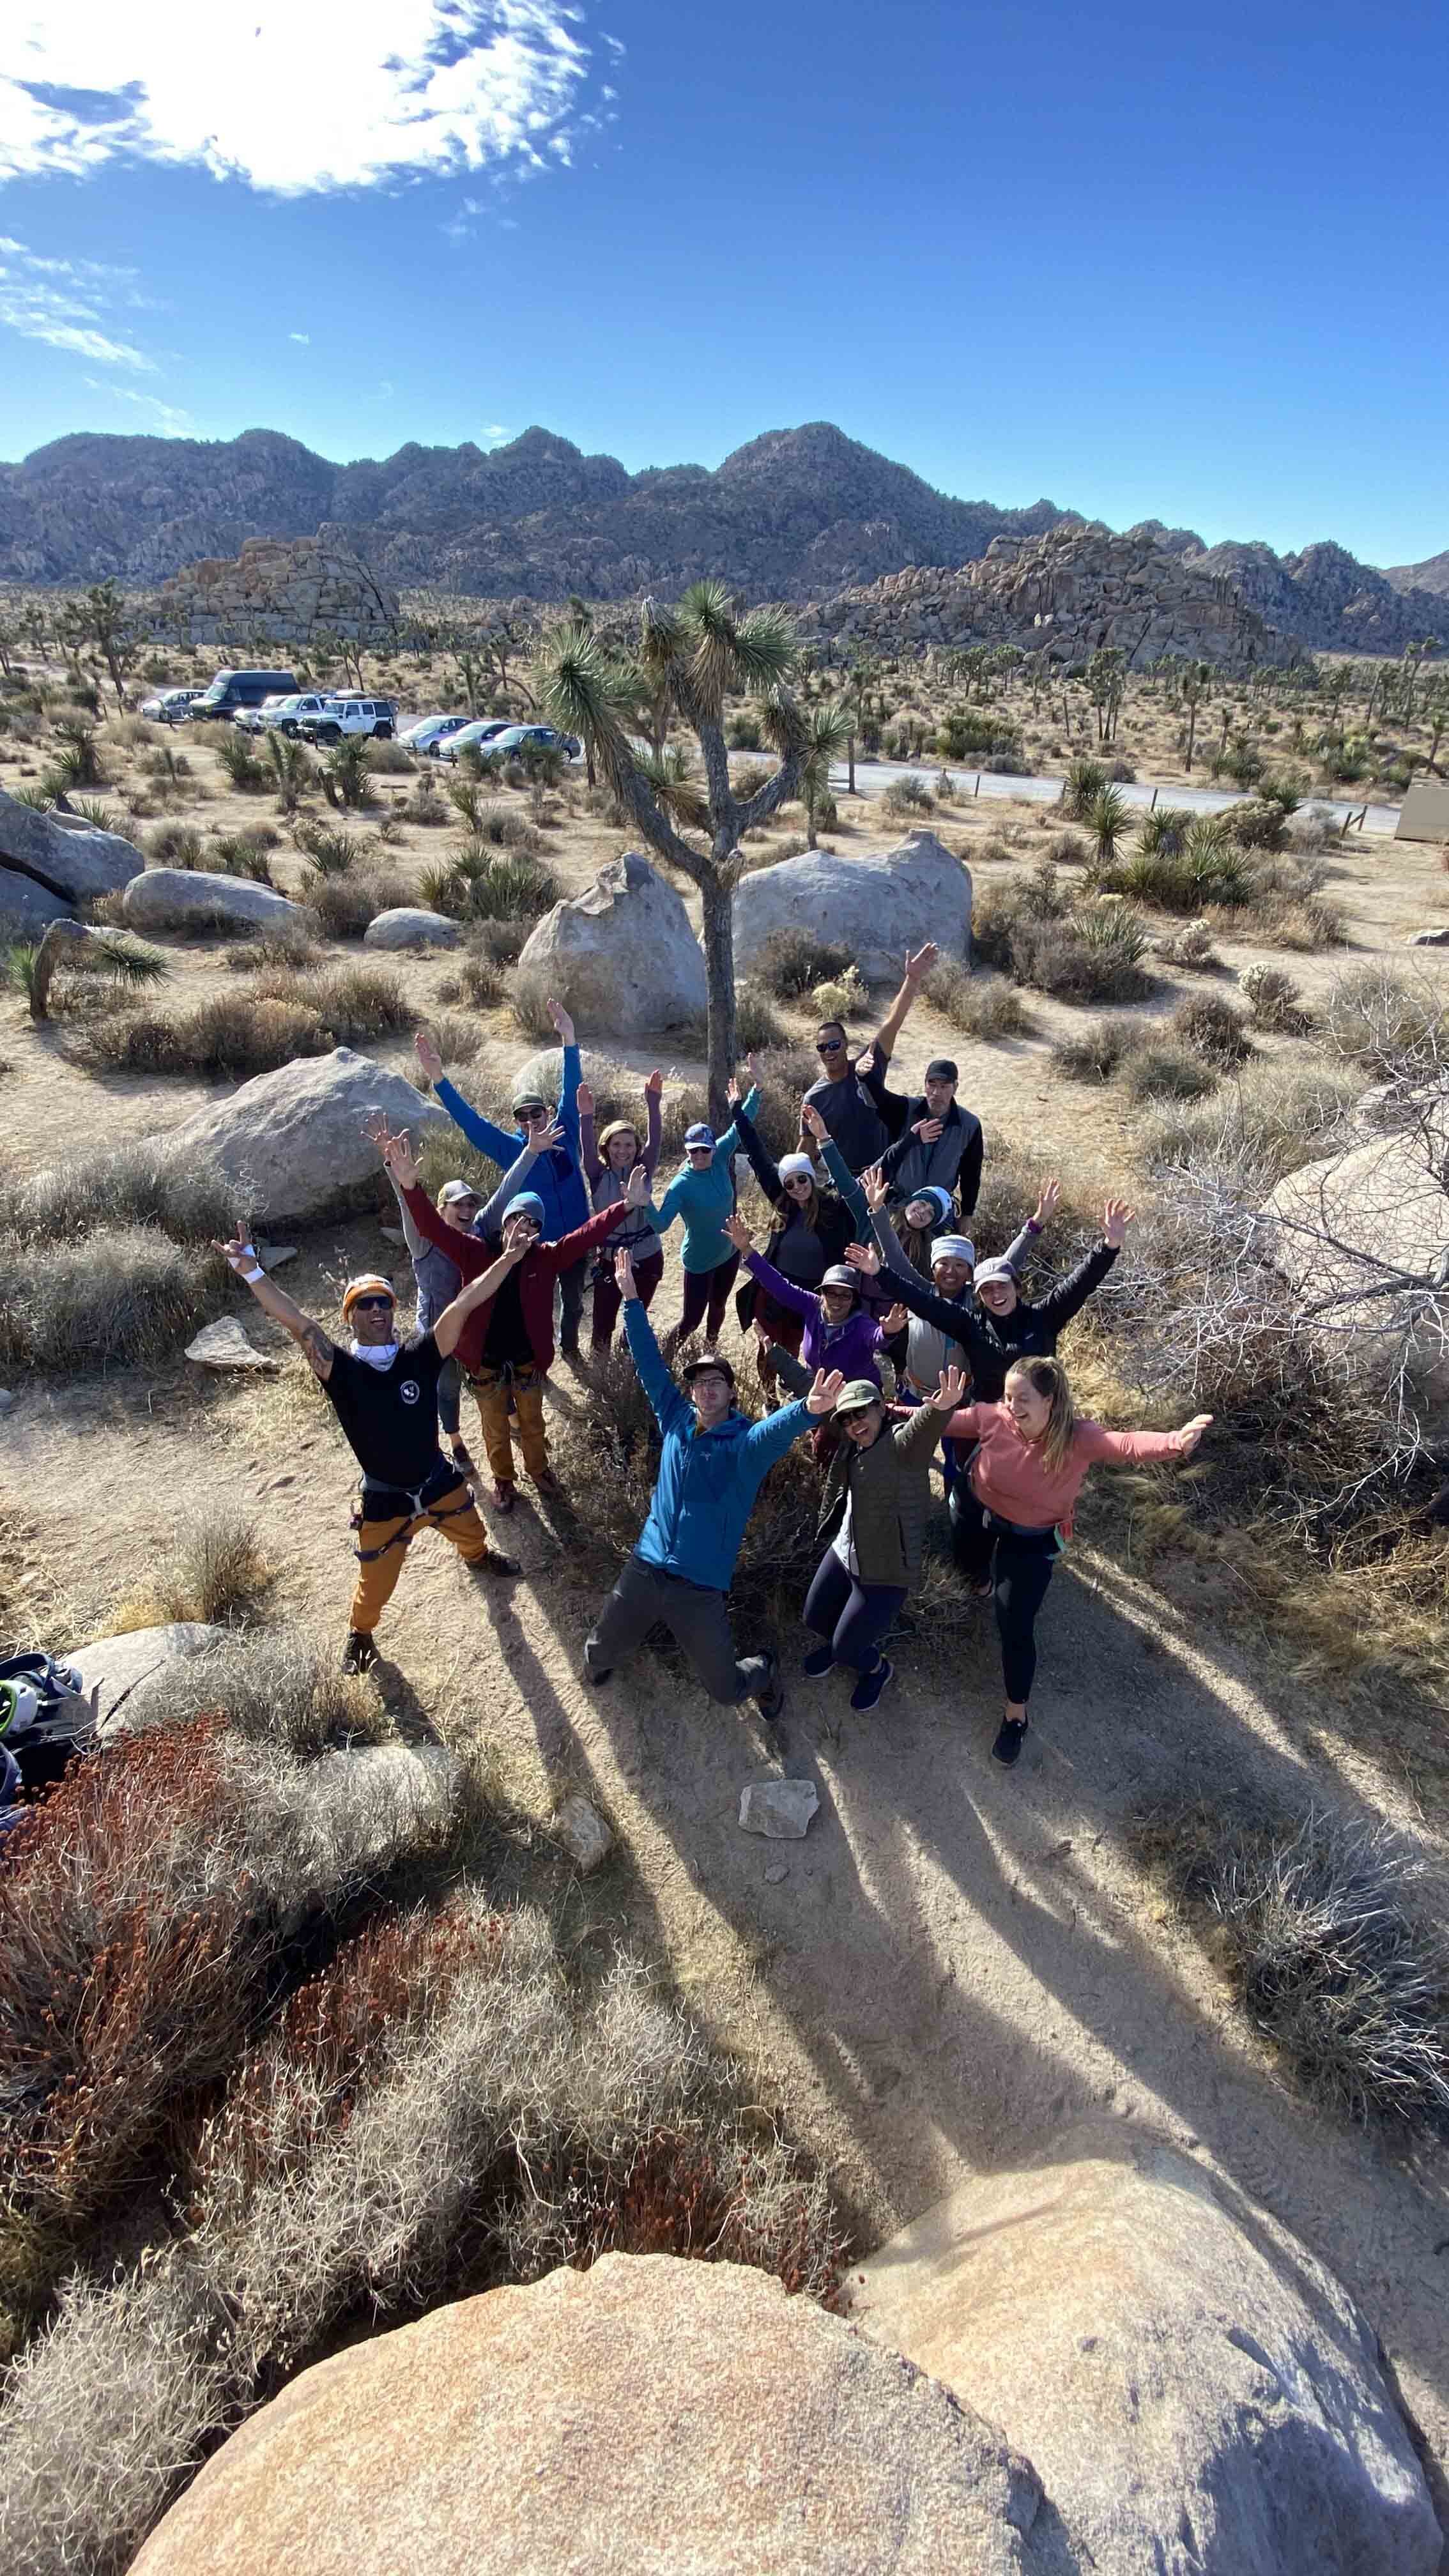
column 606, row 1169
column 1013, row 1510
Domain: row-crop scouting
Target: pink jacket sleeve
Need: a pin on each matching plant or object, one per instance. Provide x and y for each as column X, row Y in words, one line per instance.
column 1128, row 1448
column 968, row 1424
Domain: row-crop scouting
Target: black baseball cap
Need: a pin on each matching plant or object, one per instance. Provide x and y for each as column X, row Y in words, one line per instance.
column 708, row 1360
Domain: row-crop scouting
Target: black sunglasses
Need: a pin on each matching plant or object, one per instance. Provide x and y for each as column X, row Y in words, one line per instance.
column 829, row 1046
column 371, row 1305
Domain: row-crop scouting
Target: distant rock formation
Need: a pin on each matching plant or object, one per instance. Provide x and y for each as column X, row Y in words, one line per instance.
column 1432, row 575
column 1069, row 592
column 282, row 592
column 1328, row 599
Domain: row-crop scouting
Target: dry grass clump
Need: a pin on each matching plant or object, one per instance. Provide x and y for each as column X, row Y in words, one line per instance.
column 343, row 904
column 976, row 1006
column 1276, row 1117
column 284, row 1014
column 1274, row 1001
column 1318, row 1925
column 1391, row 1022
column 291, row 950
column 1042, row 936
column 792, row 962
column 476, row 980
column 138, row 1184
column 215, row 1570
column 1210, row 1025
column 276, row 1687
column 119, row 1295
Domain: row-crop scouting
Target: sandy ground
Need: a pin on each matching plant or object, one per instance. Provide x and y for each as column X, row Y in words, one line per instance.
column 956, row 1960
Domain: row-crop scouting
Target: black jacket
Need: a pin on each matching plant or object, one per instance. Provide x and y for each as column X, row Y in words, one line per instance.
column 952, row 1163
column 992, row 1342
column 860, row 1113
column 834, row 1224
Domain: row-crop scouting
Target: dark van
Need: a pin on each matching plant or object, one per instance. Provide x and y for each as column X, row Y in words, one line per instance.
column 231, row 690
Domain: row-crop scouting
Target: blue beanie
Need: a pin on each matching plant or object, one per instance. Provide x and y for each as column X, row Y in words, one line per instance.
column 944, row 1203
column 526, row 1203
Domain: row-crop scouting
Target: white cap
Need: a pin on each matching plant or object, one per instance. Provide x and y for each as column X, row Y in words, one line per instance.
column 796, row 1167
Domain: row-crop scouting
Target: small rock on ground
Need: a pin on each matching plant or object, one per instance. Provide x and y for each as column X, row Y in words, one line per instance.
column 223, row 1345
column 780, row 1808
column 583, row 1832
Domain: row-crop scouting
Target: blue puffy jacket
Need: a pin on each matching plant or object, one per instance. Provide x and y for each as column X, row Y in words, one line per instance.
column 707, row 1480
column 556, row 1176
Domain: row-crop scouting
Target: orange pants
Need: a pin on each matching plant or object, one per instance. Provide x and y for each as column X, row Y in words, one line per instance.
column 493, row 1391
column 382, row 1545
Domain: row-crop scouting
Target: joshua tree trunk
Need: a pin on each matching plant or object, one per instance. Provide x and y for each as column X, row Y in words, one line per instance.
column 850, row 759
column 61, row 935
column 717, row 898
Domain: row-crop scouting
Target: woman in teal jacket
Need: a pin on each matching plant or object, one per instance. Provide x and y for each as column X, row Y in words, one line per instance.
column 703, row 1193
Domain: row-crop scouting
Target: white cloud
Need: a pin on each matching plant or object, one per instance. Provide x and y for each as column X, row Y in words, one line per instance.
column 165, row 417
column 302, row 338
column 66, row 303
column 304, row 100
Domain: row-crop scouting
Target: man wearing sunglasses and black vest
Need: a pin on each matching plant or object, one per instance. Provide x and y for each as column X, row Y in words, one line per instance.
column 861, row 1116
column 384, row 1392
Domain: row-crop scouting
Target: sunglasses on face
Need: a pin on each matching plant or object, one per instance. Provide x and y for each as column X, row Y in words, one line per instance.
column 372, row 1305
column 830, row 1046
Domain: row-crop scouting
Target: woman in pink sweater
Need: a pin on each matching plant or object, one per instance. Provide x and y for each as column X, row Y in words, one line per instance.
column 1031, row 1461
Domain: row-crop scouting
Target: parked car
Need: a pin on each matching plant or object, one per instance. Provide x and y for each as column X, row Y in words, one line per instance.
column 375, row 719
column 429, row 731
column 232, row 690
column 252, row 719
column 480, row 735
column 168, row 706
column 290, row 714
column 517, row 740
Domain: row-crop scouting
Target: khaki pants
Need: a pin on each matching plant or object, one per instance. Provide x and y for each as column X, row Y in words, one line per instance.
column 493, row 1389
column 382, row 1545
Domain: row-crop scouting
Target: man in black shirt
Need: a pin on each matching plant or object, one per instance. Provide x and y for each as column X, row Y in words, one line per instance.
column 861, row 1116
column 384, row 1392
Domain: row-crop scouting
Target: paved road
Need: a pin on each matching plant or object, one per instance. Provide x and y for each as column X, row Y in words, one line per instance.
column 872, row 778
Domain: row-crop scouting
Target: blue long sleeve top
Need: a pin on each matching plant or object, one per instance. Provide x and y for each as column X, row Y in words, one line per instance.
column 707, row 1480
column 704, row 1200
column 557, row 1176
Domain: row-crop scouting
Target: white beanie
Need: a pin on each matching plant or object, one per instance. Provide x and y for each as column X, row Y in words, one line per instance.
column 796, row 1167
column 954, row 1247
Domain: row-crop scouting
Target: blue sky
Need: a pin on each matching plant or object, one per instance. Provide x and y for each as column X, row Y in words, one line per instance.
column 1189, row 265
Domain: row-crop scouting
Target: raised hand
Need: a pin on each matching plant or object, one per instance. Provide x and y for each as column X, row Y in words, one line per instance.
column 377, row 1131
column 863, row 1256
column 893, row 1321
column 239, row 1254
column 950, row 1391
column 1116, row 1218
column 585, row 1099
column 636, row 1188
column 876, row 1188
column 398, row 1155
column 733, row 1093
column 624, row 1275
column 1048, row 1203
column 919, row 966
column 928, row 1129
column 738, row 1232
column 518, row 1238
column 425, row 1047
column 655, row 1083
column 560, row 1018
column 865, row 1064
column 1191, row 1433
column 811, row 1122
column 753, row 1070
column 822, row 1395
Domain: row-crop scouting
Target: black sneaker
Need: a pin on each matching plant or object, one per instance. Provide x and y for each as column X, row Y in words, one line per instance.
column 870, row 1685
column 496, row 1563
column 769, row 1699
column 598, row 1679
column 819, row 1662
column 1010, row 1740
column 359, row 1654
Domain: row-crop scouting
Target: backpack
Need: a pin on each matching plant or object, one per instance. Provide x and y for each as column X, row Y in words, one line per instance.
column 45, row 1718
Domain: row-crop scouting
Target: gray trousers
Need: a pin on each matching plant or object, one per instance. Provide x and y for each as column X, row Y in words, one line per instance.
column 697, row 1620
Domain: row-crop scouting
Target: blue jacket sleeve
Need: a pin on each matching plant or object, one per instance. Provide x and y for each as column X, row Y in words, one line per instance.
column 480, row 1131
column 766, row 1441
column 568, row 1107
column 849, row 1189
column 670, row 1407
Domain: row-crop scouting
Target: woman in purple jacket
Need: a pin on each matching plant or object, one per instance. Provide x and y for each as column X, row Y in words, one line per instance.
column 836, row 1318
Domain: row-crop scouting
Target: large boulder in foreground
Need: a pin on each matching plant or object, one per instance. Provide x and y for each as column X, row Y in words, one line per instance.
column 194, row 899
column 119, row 1669
column 290, row 1142
column 651, row 2416
column 877, row 905
column 1342, row 1231
column 621, row 957
column 1198, row 2395
column 69, row 864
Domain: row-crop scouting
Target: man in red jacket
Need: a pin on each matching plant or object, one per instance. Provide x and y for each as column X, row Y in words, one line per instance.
column 506, row 1347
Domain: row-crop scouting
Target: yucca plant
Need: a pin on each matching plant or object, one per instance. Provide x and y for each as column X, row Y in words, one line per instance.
column 1083, row 784
column 508, row 886
column 33, row 964
column 444, row 889
column 346, row 777
column 240, row 762
column 331, row 853
column 1161, row 832
column 292, row 770
column 78, row 762
column 89, row 809
column 465, row 795
column 1106, row 819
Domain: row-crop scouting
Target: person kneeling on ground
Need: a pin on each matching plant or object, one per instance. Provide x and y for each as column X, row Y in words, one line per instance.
column 506, row 1345
column 711, row 1468
column 877, row 1494
column 1013, row 1508
column 384, row 1393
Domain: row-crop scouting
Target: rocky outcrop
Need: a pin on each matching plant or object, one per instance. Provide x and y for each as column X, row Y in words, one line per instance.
column 1363, row 1238
column 1328, row 599
column 290, row 1142
column 621, row 957
column 282, row 593
column 411, row 926
column 1197, row 2394
column 877, row 905
column 47, row 867
column 1067, row 593
column 649, row 2414
column 1432, row 575
column 194, row 899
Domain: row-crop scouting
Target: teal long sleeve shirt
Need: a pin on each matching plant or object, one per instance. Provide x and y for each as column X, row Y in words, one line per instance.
column 704, row 1200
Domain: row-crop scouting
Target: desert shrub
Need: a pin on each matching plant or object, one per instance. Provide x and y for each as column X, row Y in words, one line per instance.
column 974, row 734
column 352, row 1002
column 1390, row 1022
column 244, row 854
column 274, row 1687
column 1211, row 1025
column 138, row 1184
column 1098, row 1050
column 175, row 845
column 1190, row 944
column 213, row 1571
column 786, row 1073
column 501, row 942
column 1162, row 832
column 748, row 777
column 1083, row 784
column 742, row 731
column 976, row 1006
column 1274, row 1118
column 1065, row 850
column 476, row 981
column 841, row 997
column 237, row 755
column 390, row 760
column 1157, row 1069
column 1088, row 956
column 1273, row 1000
column 757, row 1022
column 121, row 1294
column 1202, row 866
column 426, row 805
column 236, row 1034
column 1317, row 1923
column 346, row 773
column 164, row 763
column 510, row 886
column 444, row 889
column 290, row 949
column 332, row 852
column 342, row 906
column 792, row 962
column 78, row 761
column 459, row 1039
column 1259, row 824
column 909, row 795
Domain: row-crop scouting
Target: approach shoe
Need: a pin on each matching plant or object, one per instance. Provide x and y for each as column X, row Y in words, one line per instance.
column 870, row 1685
column 503, row 1497
column 1009, row 1741
column 359, row 1654
column 769, row 1699
column 496, row 1563
column 819, row 1662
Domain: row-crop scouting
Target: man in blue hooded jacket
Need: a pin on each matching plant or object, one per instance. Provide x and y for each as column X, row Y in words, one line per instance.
column 711, row 1468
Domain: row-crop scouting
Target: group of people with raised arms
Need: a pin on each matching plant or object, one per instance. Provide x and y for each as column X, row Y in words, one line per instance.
column 866, row 1304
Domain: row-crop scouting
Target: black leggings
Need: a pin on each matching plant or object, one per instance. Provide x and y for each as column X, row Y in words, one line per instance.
column 705, row 1295
column 1021, row 1568
column 853, row 1615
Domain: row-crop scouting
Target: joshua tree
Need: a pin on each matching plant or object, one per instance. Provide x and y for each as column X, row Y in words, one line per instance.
column 701, row 652
column 102, row 619
column 827, row 731
column 1192, row 687
column 32, row 965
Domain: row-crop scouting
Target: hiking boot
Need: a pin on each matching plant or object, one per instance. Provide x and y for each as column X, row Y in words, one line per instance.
column 546, row 1482
column 503, row 1497
column 606, row 1674
column 494, row 1563
column 819, row 1662
column 359, row 1654
column 870, row 1685
column 769, row 1699
column 1010, row 1740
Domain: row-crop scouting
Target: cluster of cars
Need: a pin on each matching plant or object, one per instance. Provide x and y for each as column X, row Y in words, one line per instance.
column 263, row 701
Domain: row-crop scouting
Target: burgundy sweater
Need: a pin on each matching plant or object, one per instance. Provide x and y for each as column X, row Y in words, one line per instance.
column 537, row 1272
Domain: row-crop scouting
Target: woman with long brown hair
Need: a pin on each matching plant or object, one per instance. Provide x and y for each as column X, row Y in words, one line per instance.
column 1013, row 1510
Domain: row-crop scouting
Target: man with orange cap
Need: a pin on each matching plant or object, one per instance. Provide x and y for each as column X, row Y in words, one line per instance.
column 383, row 1390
